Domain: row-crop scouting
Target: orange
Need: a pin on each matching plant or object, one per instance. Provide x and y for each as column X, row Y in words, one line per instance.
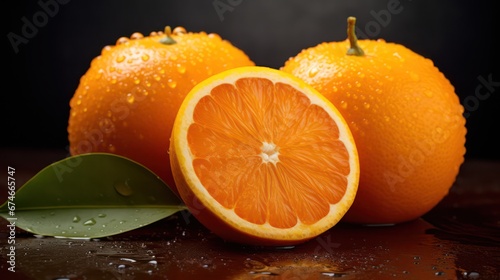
column 127, row 100
column 405, row 117
column 260, row 157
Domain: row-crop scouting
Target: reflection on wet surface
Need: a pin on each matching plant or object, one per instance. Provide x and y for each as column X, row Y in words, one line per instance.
column 458, row 239
column 172, row 249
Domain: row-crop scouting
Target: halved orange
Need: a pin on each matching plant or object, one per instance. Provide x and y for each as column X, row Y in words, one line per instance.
column 260, row 157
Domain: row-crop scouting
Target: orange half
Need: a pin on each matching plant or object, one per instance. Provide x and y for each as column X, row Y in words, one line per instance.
column 260, row 157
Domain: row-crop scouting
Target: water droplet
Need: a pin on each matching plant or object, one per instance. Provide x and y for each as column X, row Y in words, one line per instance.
column 396, row 54
column 136, row 35
column 289, row 247
column 120, row 58
column 145, row 57
column 173, row 57
column 58, row 226
column 179, row 30
column 122, row 40
column 123, row 188
column 171, row 83
column 130, row 98
column 76, row 219
column 313, row 72
column 181, row 69
column 111, row 148
column 335, row 89
column 128, row 260
column 122, row 266
column 334, row 274
column 471, row 274
column 104, row 50
column 354, row 126
column 439, row 273
column 343, row 104
column 254, row 264
column 89, row 222
column 70, row 227
column 366, row 105
column 101, row 215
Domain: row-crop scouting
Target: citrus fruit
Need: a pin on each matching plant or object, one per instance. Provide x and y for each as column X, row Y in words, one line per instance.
column 127, row 100
column 260, row 157
column 404, row 115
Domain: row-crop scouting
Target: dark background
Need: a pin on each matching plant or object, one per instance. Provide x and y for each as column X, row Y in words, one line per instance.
column 41, row 77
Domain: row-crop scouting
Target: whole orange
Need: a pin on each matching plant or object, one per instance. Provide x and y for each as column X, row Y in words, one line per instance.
column 127, row 100
column 405, row 117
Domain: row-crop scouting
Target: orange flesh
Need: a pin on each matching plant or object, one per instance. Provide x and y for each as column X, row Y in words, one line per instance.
column 263, row 150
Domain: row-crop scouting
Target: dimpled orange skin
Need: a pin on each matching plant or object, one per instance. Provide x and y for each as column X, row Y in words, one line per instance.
column 127, row 100
column 405, row 118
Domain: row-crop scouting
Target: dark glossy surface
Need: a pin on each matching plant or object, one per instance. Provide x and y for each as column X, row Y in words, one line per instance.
column 458, row 239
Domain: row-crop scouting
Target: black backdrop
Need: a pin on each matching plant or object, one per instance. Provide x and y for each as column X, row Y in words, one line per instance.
column 44, row 64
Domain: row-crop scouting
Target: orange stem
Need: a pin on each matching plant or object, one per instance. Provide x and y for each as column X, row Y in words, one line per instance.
column 355, row 49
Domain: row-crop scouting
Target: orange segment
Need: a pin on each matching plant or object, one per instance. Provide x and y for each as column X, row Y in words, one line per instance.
column 260, row 157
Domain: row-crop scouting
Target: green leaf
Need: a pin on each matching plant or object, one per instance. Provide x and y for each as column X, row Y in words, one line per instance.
column 90, row 196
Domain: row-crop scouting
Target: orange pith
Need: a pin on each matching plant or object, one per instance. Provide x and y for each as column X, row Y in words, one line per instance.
column 263, row 158
column 127, row 100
